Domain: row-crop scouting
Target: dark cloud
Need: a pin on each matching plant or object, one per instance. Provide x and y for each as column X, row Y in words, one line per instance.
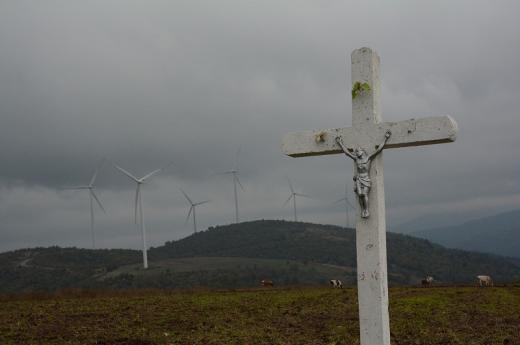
column 146, row 83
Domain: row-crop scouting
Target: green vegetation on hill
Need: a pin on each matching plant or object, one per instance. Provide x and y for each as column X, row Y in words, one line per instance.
column 49, row 269
column 240, row 255
column 409, row 258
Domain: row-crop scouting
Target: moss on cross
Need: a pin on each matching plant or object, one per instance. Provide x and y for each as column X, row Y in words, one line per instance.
column 359, row 87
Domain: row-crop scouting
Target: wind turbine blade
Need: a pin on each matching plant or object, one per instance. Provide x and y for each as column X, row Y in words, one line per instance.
column 290, row 185
column 186, row 196
column 339, row 200
column 93, row 179
column 220, row 173
column 304, row 195
column 287, row 201
column 76, row 188
column 167, row 165
column 202, row 202
column 238, row 181
column 155, row 172
column 97, row 200
column 137, row 196
column 94, row 176
column 147, row 176
column 189, row 214
column 126, row 173
column 236, row 157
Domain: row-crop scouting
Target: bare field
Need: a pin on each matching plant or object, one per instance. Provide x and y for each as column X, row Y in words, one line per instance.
column 298, row 315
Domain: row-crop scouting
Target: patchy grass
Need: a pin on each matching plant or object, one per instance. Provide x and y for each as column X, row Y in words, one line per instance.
column 199, row 263
column 442, row 315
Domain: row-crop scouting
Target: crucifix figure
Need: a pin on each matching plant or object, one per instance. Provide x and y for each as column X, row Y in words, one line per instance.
column 366, row 132
column 362, row 177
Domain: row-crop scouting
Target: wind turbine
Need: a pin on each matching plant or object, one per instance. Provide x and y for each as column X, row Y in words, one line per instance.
column 347, row 204
column 92, row 197
column 236, row 181
column 192, row 210
column 293, row 197
column 139, row 205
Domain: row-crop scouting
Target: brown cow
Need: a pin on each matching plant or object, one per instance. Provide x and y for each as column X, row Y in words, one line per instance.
column 266, row 282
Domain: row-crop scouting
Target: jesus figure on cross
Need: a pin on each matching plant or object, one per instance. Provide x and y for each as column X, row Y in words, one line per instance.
column 362, row 177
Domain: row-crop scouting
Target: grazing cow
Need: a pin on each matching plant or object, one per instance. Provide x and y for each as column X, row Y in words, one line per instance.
column 428, row 281
column 336, row 283
column 266, row 282
column 485, row 281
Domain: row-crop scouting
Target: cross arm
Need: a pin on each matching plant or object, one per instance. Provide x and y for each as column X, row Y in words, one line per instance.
column 413, row 132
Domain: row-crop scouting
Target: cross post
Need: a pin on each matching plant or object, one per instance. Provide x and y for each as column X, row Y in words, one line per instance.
column 367, row 132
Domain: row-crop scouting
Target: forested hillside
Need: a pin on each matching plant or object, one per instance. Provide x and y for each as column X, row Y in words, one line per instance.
column 239, row 255
column 409, row 258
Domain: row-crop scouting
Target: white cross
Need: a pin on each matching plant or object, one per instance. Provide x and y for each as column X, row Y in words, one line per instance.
column 367, row 132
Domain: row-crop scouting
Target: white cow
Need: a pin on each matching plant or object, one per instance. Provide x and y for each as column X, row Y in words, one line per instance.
column 485, row 281
column 336, row 283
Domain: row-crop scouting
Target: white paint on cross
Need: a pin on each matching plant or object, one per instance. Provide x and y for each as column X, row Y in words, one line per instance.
column 367, row 132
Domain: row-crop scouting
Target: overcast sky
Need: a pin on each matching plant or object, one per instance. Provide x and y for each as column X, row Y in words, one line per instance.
column 148, row 82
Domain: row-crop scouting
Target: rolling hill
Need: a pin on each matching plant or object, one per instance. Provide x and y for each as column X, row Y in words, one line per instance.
column 239, row 255
column 498, row 234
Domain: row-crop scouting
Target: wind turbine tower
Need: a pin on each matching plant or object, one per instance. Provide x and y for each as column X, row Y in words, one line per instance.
column 293, row 197
column 347, row 205
column 236, row 180
column 93, row 197
column 139, row 206
column 193, row 205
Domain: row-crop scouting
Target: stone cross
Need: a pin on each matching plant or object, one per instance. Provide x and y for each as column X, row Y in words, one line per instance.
column 367, row 132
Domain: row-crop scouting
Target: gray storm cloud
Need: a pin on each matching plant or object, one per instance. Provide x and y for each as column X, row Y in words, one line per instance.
column 146, row 83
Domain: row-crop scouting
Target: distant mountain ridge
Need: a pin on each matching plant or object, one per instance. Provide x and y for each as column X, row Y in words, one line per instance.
column 240, row 255
column 498, row 234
